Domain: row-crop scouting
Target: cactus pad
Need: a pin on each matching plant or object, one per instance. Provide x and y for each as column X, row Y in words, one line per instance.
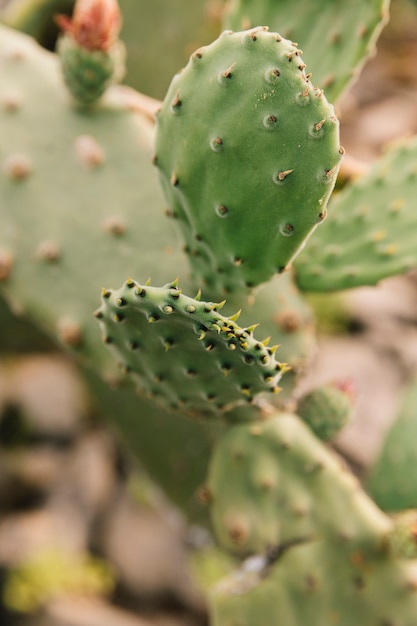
column 183, row 352
column 392, row 480
column 336, row 37
column 319, row 584
column 248, row 152
column 370, row 232
column 320, row 551
column 79, row 198
column 284, row 485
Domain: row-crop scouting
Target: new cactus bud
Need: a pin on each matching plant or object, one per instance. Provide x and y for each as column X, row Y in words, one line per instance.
column 326, row 410
column 91, row 54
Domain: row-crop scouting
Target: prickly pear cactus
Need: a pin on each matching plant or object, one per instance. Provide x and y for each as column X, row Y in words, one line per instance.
column 370, row 231
column 80, row 200
column 320, row 552
column 248, row 152
column 336, row 37
column 392, row 480
column 283, row 484
column 184, row 352
column 319, row 583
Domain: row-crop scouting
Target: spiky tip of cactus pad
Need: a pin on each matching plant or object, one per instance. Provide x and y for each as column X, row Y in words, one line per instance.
column 248, row 152
column 184, row 352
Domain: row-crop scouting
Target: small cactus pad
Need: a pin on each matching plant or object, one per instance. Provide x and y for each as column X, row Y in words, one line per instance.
column 326, row 410
column 182, row 351
column 370, row 232
column 392, row 480
column 319, row 583
column 337, row 37
column 248, row 152
column 272, row 482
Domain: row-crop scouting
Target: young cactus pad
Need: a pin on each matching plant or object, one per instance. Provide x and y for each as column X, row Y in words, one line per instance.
column 248, row 152
column 182, row 351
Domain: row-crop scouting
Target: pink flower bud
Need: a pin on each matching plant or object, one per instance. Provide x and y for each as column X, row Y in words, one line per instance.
column 95, row 24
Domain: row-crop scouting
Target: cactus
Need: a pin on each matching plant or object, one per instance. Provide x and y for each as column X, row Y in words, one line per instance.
column 365, row 238
column 325, row 553
column 239, row 232
column 391, row 480
column 347, row 32
column 91, row 53
column 316, row 584
column 248, row 152
column 187, row 339
column 148, row 28
column 283, row 484
column 72, row 188
column 327, row 409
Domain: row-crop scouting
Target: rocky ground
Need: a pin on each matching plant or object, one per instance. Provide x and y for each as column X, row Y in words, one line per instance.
column 68, row 489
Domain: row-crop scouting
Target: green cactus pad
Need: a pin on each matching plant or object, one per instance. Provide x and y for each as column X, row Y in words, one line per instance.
column 284, row 315
column 248, row 152
column 321, row 552
column 183, row 352
column 80, row 203
column 336, row 37
column 370, row 232
column 273, row 481
column 392, row 480
column 326, row 410
column 320, row 583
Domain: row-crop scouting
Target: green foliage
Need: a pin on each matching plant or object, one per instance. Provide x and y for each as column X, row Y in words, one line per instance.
column 246, row 90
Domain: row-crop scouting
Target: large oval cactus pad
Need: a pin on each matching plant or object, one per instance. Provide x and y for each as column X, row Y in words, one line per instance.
column 248, row 152
column 184, row 352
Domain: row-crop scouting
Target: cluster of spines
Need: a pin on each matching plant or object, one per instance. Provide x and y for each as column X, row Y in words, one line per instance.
column 214, row 331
